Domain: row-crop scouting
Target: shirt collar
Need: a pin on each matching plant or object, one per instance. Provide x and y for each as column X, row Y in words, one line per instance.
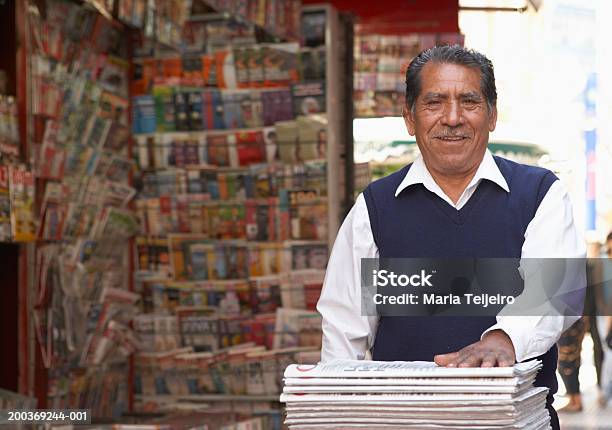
column 418, row 174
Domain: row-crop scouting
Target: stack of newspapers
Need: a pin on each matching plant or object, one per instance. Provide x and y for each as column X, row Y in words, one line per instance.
column 409, row 395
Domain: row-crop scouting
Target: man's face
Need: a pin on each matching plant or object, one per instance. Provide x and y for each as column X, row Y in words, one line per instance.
column 451, row 121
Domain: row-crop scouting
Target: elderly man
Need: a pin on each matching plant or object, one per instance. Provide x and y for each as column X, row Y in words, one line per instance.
column 455, row 201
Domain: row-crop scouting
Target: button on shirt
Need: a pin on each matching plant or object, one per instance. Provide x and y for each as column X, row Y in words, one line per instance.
column 550, row 234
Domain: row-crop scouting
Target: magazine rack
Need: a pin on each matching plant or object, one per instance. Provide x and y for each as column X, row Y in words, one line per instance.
column 42, row 277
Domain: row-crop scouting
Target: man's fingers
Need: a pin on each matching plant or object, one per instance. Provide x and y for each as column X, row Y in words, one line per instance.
column 475, row 355
column 446, row 359
column 505, row 360
column 489, row 360
column 495, row 349
column 472, row 358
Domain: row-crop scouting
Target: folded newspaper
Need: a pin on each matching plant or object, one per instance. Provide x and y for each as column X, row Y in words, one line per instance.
column 410, row 395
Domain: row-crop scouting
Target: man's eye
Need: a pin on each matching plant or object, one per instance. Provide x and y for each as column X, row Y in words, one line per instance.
column 433, row 103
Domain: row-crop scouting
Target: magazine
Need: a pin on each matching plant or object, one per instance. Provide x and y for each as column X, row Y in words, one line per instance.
column 21, row 194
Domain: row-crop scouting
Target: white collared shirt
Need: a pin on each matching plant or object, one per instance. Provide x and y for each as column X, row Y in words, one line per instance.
column 550, row 234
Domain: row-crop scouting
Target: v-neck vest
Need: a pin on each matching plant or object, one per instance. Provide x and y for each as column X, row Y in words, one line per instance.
column 419, row 224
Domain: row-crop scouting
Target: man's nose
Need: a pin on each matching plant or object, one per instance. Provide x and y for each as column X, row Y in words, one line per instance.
column 452, row 114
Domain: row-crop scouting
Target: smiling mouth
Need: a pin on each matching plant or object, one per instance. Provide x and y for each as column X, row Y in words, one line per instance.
column 451, row 138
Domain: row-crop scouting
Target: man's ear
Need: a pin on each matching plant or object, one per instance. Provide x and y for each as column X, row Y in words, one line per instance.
column 409, row 120
column 492, row 118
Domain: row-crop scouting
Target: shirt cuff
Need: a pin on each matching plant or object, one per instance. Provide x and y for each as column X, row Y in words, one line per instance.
column 519, row 337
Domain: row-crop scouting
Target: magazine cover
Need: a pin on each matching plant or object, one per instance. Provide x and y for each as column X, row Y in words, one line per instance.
column 51, row 156
column 181, row 110
column 308, row 98
column 21, row 192
column 241, row 63
column 368, row 81
column 307, row 214
column 312, row 64
column 255, row 66
column 194, row 108
column 194, row 38
column 197, row 258
column 227, row 221
column 212, row 110
column 221, row 150
column 232, row 184
column 313, row 28
column 230, row 260
column 113, row 76
column 232, row 111
column 225, row 70
column 117, row 222
column 265, row 293
column 163, row 96
column 288, row 325
column 386, row 103
column 277, row 105
column 262, row 220
column 199, row 328
column 119, row 169
column 312, row 137
column 116, row 138
column 251, row 147
column 287, row 138
column 271, row 142
column 280, row 64
column 308, row 255
column 189, row 255
column 52, row 220
column 302, row 289
column 266, row 258
column 113, row 107
column 251, row 108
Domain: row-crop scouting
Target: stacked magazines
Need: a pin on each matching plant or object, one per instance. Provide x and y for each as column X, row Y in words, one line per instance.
column 410, row 395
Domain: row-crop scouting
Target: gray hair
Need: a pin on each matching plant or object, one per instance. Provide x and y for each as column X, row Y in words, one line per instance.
column 448, row 54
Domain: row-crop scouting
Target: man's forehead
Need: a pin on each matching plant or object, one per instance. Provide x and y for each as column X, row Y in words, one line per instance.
column 444, row 77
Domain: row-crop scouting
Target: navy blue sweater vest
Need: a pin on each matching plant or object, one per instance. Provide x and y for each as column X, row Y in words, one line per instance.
column 419, row 224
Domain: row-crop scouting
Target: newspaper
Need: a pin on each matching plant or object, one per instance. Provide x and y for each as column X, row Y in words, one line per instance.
column 406, row 388
column 404, row 369
column 411, row 398
column 541, row 423
column 525, row 401
column 471, row 423
column 413, row 395
column 410, row 381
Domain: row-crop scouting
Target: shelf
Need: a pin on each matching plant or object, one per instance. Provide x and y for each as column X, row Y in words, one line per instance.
column 211, row 17
column 96, row 6
column 218, row 15
column 244, row 242
column 210, row 398
column 229, row 130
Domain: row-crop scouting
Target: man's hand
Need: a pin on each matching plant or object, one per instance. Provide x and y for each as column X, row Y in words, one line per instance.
column 494, row 350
